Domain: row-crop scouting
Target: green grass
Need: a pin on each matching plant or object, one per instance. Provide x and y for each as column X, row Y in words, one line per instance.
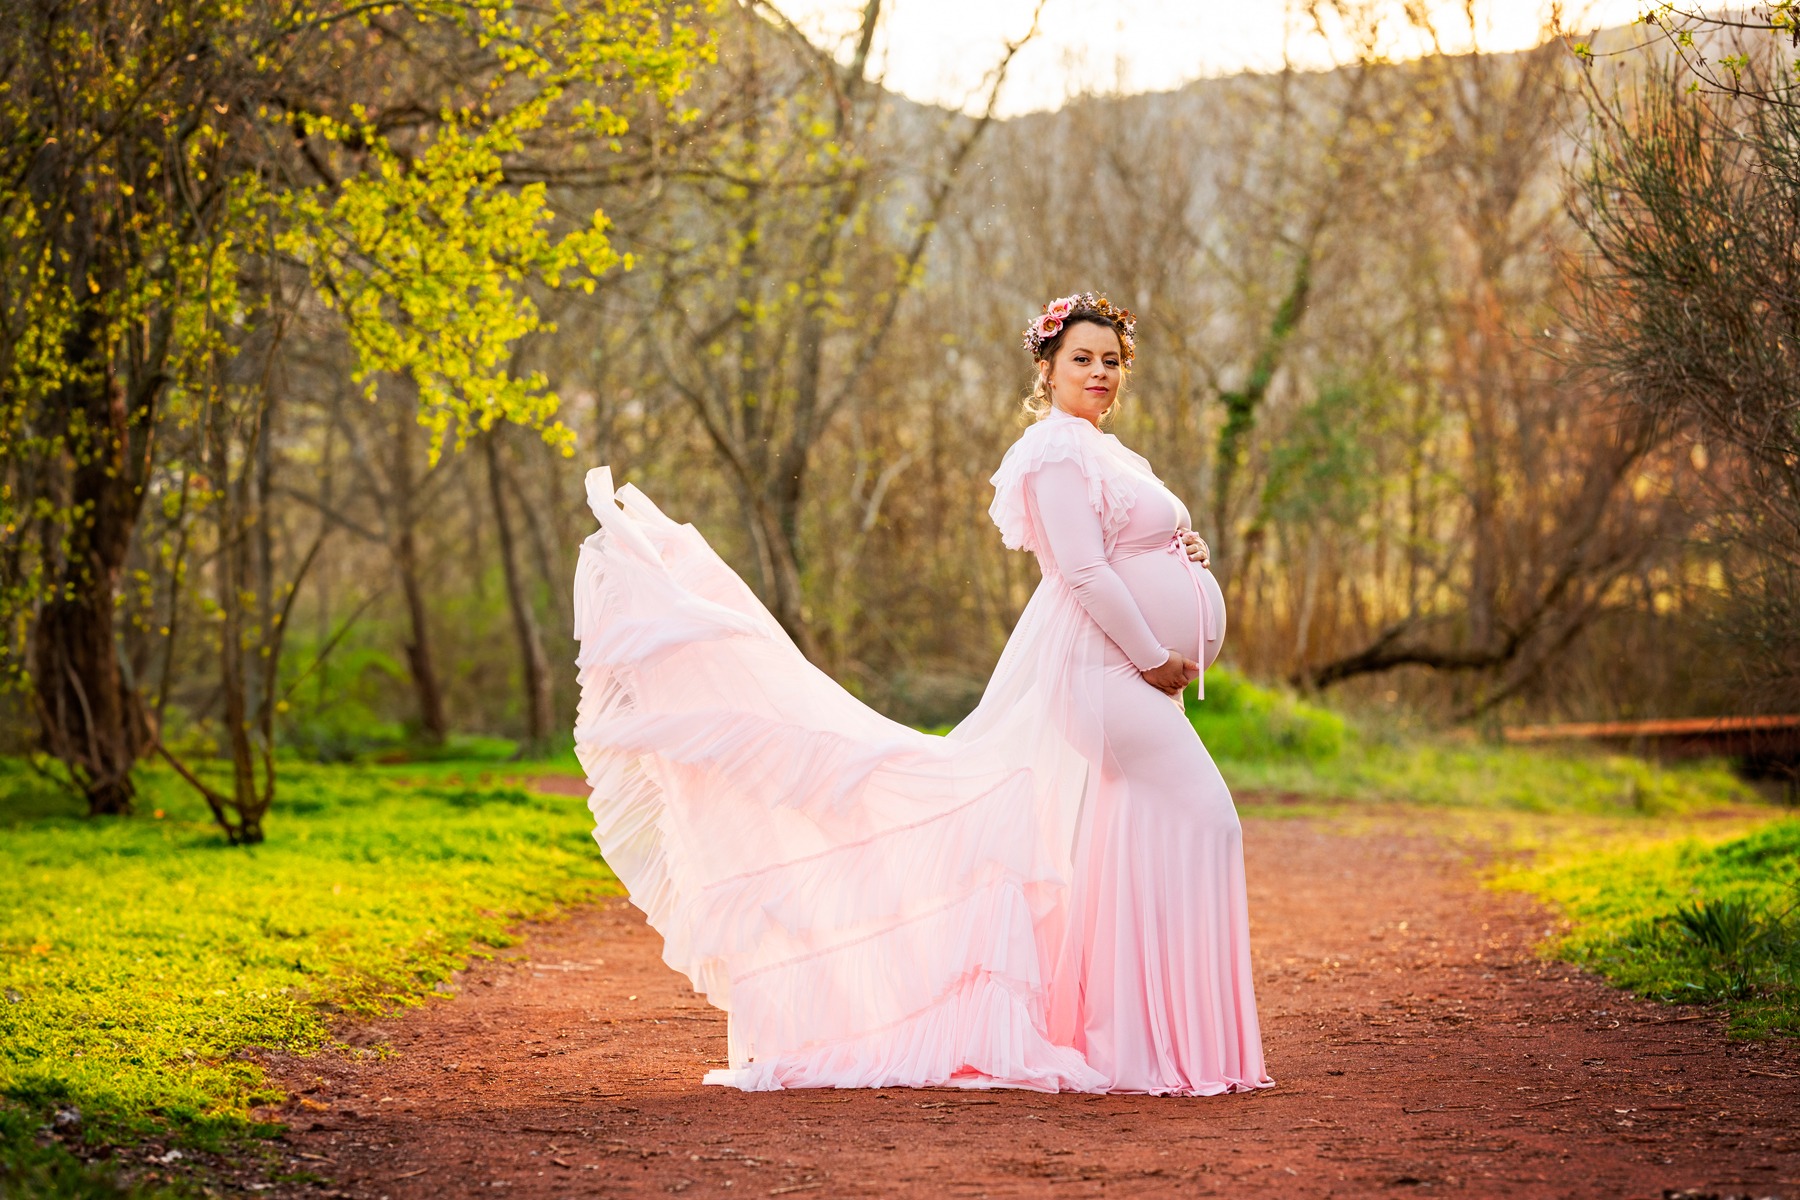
column 29, row 1167
column 140, row 959
column 1267, row 741
column 1687, row 919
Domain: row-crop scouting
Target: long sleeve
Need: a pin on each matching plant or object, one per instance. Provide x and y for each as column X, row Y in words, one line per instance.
column 1071, row 533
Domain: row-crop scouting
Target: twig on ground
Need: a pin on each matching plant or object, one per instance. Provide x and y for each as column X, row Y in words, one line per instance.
column 1548, row 1103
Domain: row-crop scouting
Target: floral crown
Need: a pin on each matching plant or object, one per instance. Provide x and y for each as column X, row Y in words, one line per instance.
column 1057, row 313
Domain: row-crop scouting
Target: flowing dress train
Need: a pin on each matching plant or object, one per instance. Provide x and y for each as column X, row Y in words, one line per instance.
column 1051, row 896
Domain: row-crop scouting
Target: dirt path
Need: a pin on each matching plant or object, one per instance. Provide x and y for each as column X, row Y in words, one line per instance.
column 1417, row 1045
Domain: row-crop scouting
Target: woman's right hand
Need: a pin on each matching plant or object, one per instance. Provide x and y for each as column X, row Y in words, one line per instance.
column 1174, row 675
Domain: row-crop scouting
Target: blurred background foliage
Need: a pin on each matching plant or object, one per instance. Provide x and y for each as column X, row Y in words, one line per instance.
column 306, row 353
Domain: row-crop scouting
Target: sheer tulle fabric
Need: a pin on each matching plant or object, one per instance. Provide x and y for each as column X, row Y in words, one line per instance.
column 875, row 906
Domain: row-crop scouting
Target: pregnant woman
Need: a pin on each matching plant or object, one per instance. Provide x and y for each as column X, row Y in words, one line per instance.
column 1051, row 896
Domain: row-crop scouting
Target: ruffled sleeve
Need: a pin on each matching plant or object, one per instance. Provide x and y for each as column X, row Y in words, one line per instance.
column 1055, row 439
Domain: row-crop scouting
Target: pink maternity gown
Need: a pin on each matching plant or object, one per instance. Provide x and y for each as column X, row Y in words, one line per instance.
column 1050, row 897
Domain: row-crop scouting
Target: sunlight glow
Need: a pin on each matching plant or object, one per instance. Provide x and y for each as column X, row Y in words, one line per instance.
column 938, row 51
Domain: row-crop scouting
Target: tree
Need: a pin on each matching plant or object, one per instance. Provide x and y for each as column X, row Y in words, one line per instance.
column 781, row 266
column 154, row 151
column 535, row 663
column 1691, row 208
column 1494, row 432
column 226, row 459
column 115, row 203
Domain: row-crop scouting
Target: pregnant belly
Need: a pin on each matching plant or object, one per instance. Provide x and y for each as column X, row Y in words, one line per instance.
column 1169, row 590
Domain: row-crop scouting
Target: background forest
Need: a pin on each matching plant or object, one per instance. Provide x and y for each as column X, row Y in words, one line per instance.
column 1377, row 308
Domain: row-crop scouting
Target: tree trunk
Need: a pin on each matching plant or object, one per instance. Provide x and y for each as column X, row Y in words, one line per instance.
column 243, row 825
column 87, row 715
column 1242, row 409
column 80, row 694
column 421, row 662
column 253, row 615
column 778, row 529
column 1484, row 499
column 539, row 716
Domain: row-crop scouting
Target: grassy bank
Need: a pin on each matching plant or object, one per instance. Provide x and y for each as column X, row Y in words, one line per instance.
column 1686, row 919
column 141, row 959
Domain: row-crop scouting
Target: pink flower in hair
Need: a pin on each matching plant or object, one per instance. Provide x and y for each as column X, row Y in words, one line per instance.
column 1056, row 315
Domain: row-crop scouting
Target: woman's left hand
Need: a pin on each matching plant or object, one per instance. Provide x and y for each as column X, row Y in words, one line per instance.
column 1197, row 550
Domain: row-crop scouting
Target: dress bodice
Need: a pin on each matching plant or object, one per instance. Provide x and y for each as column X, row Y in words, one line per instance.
column 1154, row 515
column 1113, row 477
column 1157, row 517
column 1100, row 520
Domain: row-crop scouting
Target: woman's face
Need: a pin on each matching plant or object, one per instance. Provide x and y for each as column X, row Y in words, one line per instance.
column 1084, row 377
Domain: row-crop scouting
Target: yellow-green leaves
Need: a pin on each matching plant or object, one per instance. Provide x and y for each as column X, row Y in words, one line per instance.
column 431, row 252
column 429, row 261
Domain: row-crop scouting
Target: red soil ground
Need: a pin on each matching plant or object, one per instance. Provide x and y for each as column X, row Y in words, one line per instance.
column 1418, row 1045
